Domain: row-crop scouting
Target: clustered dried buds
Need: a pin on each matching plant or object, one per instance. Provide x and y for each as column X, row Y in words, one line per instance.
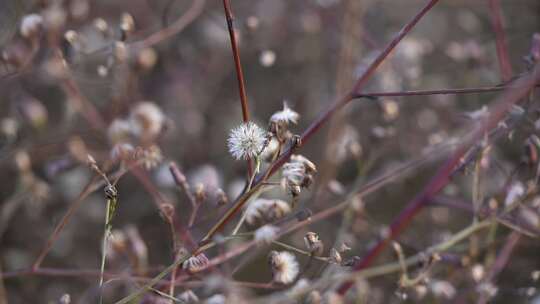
column 313, row 244
column 297, row 174
column 284, row 267
column 31, row 25
column 196, row 263
column 266, row 210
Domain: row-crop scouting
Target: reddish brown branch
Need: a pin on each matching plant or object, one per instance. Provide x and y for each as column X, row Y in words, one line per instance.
column 442, row 177
column 435, row 92
column 500, row 39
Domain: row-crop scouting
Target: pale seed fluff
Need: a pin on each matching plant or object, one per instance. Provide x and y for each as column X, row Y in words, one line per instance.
column 266, row 210
column 285, row 116
column 30, row 25
column 284, row 267
column 266, row 234
column 246, row 141
column 146, row 120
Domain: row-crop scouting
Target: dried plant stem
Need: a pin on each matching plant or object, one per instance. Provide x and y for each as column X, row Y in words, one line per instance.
column 500, row 39
column 106, row 234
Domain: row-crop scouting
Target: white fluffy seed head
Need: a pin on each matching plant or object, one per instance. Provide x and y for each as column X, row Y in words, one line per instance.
column 266, row 210
column 246, row 141
column 146, row 120
column 30, row 25
column 266, row 234
column 284, row 267
column 285, row 116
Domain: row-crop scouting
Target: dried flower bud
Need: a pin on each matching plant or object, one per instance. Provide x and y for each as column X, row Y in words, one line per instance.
column 23, row 162
column 31, row 25
column 265, row 210
column 195, row 263
column 147, row 59
column 101, row 25
column 313, row 244
column 284, row 267
column 297, row 174
column 478, row 272
column 151, row 157
column 167, row 210
column 146, row 120
column 127, row 23
column 335, row 257
column 200, row 193
column 216, row 299
column 266, row 234
column 119, row 131
column 221, row 197
column 442, row 289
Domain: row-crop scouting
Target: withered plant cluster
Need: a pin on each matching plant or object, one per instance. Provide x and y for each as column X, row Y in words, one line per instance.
column 269, row 151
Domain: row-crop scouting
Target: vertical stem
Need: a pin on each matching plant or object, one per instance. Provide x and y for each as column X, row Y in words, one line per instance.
column 239, row 72
column 500, row 39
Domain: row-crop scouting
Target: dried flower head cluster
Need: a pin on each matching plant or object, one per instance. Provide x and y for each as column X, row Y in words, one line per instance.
column 266, row 234
column 284, row 267
column 196, row 263
column 264, row 210
column 246, row 141
column 297, row 174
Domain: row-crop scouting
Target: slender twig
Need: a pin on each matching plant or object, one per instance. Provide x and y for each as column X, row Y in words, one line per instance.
column 442, row 177
column 500, row 39
column 489, row 89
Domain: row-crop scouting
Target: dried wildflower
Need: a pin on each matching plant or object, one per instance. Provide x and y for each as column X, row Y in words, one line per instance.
column 297, row 174
column 101, row 25
column 266, row 234
column 221, row 197
column 216, row 299
column 151, row 157
column 147, row 58
column 478, row 272
column 270, row 150
column 335, row 257
column 442, row 289
column 31, row 25
column 127, row 23
column 146, row 120
column 516, row 191
column 313, row 244
column 122, row 151
column 246, row 141
column 285, row 116
column 284, row 266
column 188, row 296
column 266, row 210
column 196, row 263
column 200, row 193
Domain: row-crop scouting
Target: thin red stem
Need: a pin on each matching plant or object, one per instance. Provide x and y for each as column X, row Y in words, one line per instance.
column 500, row 39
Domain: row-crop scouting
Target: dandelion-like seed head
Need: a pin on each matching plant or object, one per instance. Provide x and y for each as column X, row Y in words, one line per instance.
column 266, row 234
column 147, row 120
column 266, row 210
column 246, row 141
column 284, row 266
column 285, row 116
